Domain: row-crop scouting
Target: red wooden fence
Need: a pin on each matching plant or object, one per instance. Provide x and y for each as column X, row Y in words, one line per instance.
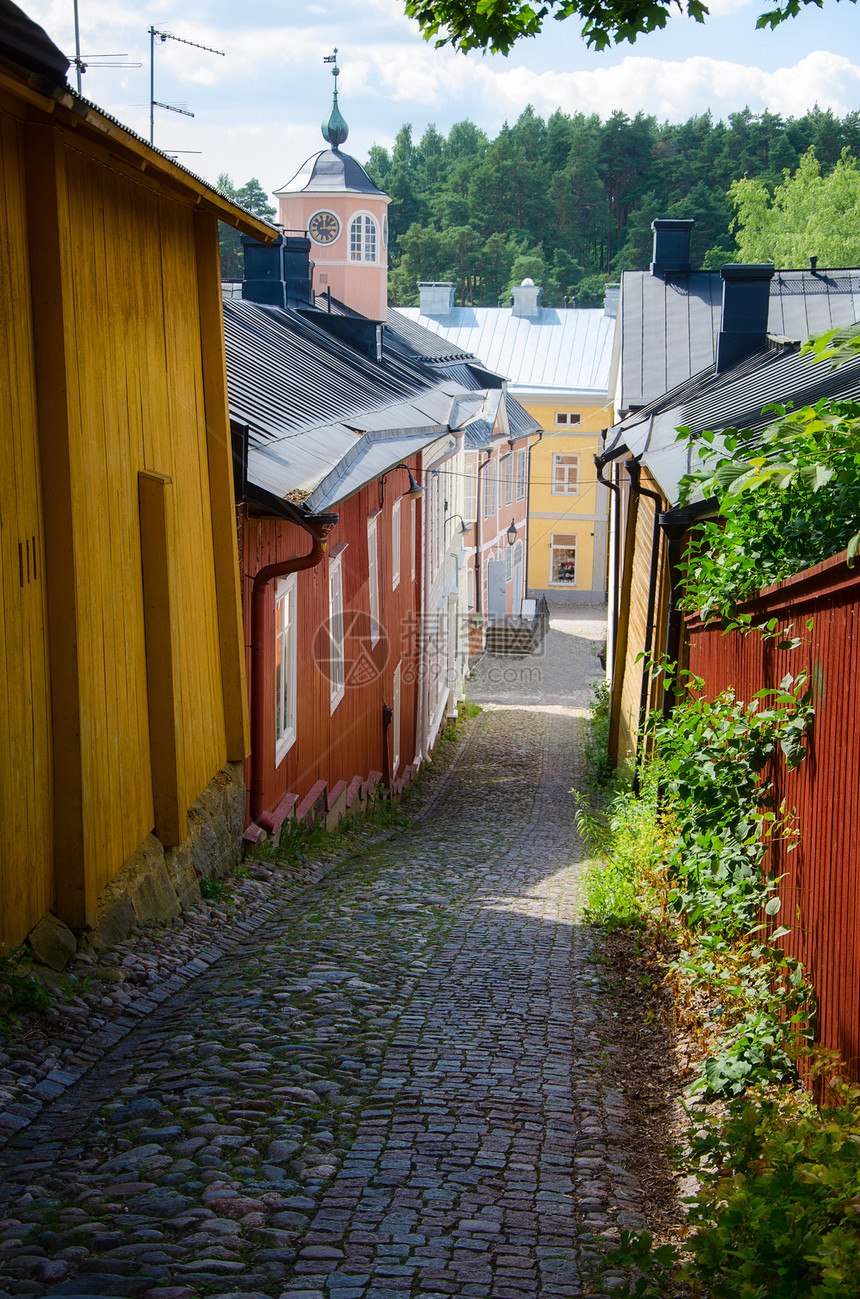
column 820, row 886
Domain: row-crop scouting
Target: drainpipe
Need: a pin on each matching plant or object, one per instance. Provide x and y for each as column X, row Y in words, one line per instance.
column 634, row 469
column 616, row 542
column 261, row 632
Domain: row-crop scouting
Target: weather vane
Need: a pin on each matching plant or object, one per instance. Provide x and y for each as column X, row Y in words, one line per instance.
column 334, row 128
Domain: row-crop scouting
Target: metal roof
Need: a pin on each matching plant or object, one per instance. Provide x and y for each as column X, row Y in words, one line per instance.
column 29, row 45
column 669, row 324
column 556, row 350
column 734, row 399
column 321, row 413
column 330, row 171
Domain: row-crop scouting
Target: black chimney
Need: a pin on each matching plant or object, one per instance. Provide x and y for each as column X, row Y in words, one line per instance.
column 278, row 274
column 672, row 245
column 746, row 304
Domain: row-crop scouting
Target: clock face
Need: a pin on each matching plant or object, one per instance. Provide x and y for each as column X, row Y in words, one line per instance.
column 324, row 227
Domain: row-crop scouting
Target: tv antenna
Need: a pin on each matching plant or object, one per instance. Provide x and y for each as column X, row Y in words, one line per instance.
column 155, row 103
column 82, row 62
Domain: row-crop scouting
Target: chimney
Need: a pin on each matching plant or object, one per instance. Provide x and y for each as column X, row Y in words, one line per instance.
column 436, row 298
column 671, row 245
column 526, row 299
column 611, row 294
column 746, row 304
column 278, row 274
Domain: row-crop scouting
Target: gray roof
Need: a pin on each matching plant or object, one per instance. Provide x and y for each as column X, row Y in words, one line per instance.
column 556, row 350
column 668, row 326
column 324, row 418
column 734, row 399
column 328, row 171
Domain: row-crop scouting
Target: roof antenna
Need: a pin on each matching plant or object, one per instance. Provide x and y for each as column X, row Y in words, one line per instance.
column 155, row 103
column 813, row 263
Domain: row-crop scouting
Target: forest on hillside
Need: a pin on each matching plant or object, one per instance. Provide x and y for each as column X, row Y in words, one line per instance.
column 570, row 200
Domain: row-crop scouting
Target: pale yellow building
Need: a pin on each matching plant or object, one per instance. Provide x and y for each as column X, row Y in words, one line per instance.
column 557, row 363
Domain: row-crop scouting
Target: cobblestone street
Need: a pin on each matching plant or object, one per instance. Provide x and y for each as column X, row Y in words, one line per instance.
column 393, row 1082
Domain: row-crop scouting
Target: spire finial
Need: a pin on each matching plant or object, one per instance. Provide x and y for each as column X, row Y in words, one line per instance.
column 334, row 128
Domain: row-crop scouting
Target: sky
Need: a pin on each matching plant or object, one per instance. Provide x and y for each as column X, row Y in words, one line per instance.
column 257, row 110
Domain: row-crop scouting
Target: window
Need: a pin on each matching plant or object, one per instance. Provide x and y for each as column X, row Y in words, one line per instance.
column 562, row 570
column 362, row 238
column 337, row 655
column 395, row 724
column 395, row 545
column 508, row 468
column 567, row 418
column 522, row 461
column 489, row 478
column 285, row 667
column 414, row 505
column 509, row 563
column 470, row 502
column 373, row 578
column 565, row 475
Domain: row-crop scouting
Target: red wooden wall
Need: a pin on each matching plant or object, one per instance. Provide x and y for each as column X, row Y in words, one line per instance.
column 348, row 742
column 820, row 888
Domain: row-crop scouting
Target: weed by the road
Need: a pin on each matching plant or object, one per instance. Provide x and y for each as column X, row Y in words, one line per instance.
column 20, row 989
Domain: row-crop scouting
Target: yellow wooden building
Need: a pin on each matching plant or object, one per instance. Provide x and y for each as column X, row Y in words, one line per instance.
column 557, row 363
column 122, row 654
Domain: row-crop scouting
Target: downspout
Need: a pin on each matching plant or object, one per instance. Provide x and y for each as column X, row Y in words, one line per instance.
column 634, row 470
column 616, row 541
column 260, row 634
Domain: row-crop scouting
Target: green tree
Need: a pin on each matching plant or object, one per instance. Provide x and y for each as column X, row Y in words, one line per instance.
column 254, row 199
column 498, row 24
column 808, row 214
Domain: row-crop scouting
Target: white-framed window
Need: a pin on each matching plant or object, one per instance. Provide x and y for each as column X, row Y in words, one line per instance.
column 565, row 475
column 363, row 238
column 285, row 667
column 567, row 418
column 414, row 543
column 470, row 495
column 509, row 563
column 470, row 587
column 337, row 651
column 522, row 462
column 395, row 544
column 373, row 577
column 489, row 477
column 395, row 723
column 508, row 473
column 562, row 567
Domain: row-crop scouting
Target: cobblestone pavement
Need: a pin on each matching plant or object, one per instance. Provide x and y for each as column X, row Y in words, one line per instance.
column 395, row 1085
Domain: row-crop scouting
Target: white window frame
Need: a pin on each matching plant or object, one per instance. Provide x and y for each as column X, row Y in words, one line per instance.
column 522, row 471
column 337, row 637
column 563, row 541
column 414, row 543
column 285, row 667
column 395, row 722
column 507, row 466
column 509, row 563
column 567, row 418
column 489, row 477
column 395, row 545
column 565, row 473
column 364, row 239
column 470, row 493
column 373, row 577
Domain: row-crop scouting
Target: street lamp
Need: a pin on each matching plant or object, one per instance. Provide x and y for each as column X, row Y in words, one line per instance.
column 511, row 533
column 415, row 492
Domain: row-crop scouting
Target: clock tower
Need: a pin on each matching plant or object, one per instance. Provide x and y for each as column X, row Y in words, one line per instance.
column 333, row 198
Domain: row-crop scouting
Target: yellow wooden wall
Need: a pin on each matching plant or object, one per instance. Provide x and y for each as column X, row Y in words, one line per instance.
column 632, row 684
column 26, row 861
column 113, row 368
column 137, row 402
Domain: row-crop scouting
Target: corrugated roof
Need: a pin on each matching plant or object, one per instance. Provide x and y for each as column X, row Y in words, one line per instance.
column 555, row 350
column 669, row 326
column 321, row 413
column 734, row 399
